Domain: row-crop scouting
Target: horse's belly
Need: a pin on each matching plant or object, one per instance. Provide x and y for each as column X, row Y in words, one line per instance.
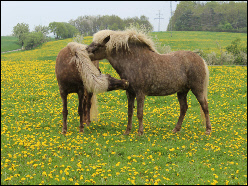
column 166, row 88
column 161, row 92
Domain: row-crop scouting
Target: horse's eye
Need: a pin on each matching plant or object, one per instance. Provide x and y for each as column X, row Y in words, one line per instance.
column 94, row 49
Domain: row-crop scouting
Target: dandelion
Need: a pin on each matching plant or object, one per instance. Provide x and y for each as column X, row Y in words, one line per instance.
column 215, row 175
column 44, row 173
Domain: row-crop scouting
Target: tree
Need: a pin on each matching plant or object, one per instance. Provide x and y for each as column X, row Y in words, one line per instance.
column 20, row 31
column 43, row 29
column 62, row 30
column 88, row 25
column 210, row 16
column 33, row 39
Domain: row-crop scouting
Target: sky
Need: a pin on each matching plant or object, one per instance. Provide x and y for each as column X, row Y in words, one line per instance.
column 36, row 13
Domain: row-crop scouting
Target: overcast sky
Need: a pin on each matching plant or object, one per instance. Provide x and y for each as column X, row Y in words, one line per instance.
column 36, row 13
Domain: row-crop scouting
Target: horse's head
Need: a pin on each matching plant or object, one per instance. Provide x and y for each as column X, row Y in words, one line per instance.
column 97, row 51
column 115, row 84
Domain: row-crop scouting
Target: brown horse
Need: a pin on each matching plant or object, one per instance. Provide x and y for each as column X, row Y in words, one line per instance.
column 76, row 73
column 134, row 57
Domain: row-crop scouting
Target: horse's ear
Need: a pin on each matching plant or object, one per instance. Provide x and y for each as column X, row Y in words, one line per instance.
column 106, row 40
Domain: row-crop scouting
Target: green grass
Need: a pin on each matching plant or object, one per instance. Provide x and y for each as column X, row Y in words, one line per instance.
column 9, row 43
column 34, row 152
column 206, row 41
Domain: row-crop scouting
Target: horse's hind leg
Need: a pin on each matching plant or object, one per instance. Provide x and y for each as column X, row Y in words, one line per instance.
column 182, row 98
column 81, row 109
column 65, row 111
column 204, row 105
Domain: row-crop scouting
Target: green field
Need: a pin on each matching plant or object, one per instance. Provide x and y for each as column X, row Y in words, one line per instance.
column 9, row 43
column 33, row 150
column 206, row 41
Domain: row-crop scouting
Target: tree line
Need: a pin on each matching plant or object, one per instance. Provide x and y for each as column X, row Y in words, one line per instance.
column 211, row 16
column 86, row 25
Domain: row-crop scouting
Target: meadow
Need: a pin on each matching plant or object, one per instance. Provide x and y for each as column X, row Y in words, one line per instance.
column 206, row 41
column 33, row 150
column 9, row 43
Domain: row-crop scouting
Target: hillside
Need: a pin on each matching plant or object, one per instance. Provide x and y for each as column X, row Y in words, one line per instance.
column 208, row 42
column 192, row 40
column 9, row 43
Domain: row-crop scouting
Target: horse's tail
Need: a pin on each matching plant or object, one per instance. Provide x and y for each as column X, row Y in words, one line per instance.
column 205, row 90
column 94, row 108
column 93, row 80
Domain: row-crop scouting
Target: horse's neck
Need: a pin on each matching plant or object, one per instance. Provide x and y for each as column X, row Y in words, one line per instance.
column 115, row 62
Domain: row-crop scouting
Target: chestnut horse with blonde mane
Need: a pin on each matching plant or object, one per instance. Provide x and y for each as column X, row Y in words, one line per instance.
column 134, row 57
column 76, row 73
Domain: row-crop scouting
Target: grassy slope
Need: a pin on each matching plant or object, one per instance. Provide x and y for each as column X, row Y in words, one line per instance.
column 34, row 152
column 206, row 41
column 9, row 43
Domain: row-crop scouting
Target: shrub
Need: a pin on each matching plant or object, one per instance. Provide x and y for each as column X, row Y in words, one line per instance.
column 239, row 52
column 79, row 38
column 33, row 39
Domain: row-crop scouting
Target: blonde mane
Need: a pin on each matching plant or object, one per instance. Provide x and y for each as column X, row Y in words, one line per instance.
column 122, row 38
column 92, row 79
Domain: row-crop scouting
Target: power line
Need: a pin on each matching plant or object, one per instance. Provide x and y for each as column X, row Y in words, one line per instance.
column 159, row 20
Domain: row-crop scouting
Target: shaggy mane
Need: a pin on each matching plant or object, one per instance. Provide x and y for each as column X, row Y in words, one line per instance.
column 122, row 38
column 93, row 80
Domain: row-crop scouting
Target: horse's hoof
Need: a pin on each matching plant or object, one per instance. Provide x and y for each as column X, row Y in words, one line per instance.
column 208, row 132
column 64, row 132
column 175, row 130
column 126, row 132
column 140, row 133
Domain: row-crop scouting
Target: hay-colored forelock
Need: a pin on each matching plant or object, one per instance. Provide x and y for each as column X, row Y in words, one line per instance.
column 121, row 38
column 92, row 79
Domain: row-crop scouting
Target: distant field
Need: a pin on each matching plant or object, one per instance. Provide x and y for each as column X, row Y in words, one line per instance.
column 180, row 40
column 206, row 41
column 9, row 43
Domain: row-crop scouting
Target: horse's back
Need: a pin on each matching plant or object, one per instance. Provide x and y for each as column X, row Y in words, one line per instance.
column 174, row 72
column 66, row 72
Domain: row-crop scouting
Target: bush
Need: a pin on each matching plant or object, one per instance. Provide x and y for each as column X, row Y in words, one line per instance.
column 79, row 38
column 33, row 39
column 212, row 59
column 239, row 52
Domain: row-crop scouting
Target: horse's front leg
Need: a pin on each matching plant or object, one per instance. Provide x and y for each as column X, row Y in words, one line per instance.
column 140, row 105
column 65, row 111
column 130, row 98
